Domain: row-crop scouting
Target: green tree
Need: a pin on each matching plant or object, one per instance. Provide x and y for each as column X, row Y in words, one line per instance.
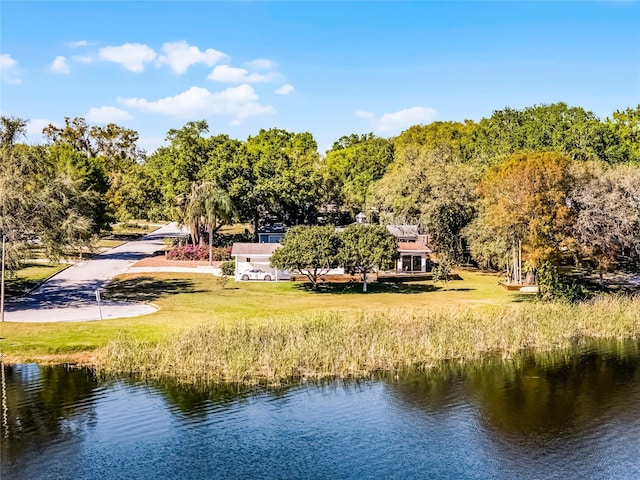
column 432, row 187
column 229, row 165
column 352, row 164
column 285, row 176
column 623, row 136
column 458, row 138
column 99, row 153
column 135, row 194
column 176, row 167
column 209, row 207
column 308, row 250
column 91, row 176
column 367, row 248
column 227, row 270
column 572, row 131
column 38, row 200
column 442, row 271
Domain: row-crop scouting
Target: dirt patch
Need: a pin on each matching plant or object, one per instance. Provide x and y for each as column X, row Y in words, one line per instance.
column 77, row 359
column 162, row 261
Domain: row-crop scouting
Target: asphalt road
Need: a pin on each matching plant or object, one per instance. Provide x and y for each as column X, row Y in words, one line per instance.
column 71, row 294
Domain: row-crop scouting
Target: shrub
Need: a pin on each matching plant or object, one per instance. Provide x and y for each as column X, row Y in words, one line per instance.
column 228, row 268
column 191, row 252
column 552, row 285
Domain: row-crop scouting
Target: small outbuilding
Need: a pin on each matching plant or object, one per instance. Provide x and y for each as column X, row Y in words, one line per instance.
column 413, row 249
column 253, row 262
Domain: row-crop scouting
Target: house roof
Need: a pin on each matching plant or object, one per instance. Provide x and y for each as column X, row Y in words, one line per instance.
column 403, row 231
column 255, row 249
column 413, row 247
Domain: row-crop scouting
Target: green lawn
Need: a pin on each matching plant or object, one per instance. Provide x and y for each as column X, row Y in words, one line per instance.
column 133, row 227
column 187, row 300
column 235, row 228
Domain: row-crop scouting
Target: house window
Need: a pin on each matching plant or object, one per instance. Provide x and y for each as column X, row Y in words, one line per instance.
column 411, row 263
column 416, row 263
column 248, row 259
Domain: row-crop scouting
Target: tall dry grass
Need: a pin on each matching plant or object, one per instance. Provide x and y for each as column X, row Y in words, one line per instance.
column 339, row 344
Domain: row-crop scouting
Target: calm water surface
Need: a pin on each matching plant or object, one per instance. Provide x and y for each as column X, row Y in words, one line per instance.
column 572, row 415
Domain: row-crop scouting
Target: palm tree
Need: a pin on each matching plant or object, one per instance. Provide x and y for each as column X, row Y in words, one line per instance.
column 211, row 207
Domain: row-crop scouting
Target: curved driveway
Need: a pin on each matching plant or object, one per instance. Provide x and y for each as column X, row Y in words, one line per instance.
column 71, row 294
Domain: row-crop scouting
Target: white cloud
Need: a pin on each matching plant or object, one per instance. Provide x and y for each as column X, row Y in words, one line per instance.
column 227, row 74
column 285, row 89
column 364, row 114
column 241, row 102
column 405, row 118
column 397, row 121
column 82, row 58
column 60, row 65
column 131, row 56
column 261, row 64
column 34, row 130
column 179, row 56
column 79, row 43
column 9, row 70
column 107, row 115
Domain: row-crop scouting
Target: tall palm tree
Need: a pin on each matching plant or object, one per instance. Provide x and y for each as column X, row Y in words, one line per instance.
column 209, row 206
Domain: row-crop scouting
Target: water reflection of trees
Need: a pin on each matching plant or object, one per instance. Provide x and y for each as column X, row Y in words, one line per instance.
column 38, row 402
column 542, row 395
column 196, row 400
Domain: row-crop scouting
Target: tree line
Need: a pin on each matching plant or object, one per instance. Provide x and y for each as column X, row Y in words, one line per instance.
column 556, row 179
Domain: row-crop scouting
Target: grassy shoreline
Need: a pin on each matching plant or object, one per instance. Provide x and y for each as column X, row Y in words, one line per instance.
column 329, row 346
column 268, row 333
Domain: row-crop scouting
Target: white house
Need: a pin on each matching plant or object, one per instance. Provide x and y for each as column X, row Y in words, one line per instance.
column 250, row 257
column 272, row 233
column 413, row 249
column 253, row 260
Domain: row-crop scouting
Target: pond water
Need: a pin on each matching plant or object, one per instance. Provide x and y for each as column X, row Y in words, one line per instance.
column 567, row 415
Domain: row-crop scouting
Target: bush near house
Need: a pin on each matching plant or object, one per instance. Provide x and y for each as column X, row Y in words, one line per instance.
column 228, row 268
column 191, row 252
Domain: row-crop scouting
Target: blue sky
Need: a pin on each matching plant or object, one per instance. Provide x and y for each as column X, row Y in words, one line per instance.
column 329, row 68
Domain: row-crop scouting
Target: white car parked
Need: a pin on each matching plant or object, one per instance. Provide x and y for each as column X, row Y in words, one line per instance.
column 256, row 274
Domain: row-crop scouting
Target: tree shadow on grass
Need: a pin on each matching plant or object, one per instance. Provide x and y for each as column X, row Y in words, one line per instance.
column 146, row 289
column 523, row 298
column 16, row 287
column 372, row 288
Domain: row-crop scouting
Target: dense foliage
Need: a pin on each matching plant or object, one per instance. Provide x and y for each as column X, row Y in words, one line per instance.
column 45, row 202
column 191, row 252
column 309, row 250
column 365, row 249
column 556, row 179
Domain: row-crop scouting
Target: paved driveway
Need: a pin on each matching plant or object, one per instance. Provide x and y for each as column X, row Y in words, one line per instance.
column 71, row 294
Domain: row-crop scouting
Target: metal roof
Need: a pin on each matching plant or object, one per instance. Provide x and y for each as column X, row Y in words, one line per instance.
column 403, row 231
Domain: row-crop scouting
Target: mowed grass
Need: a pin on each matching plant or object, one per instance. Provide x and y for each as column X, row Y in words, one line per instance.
column 187, row 300
column 134, row 227
column 109, row 243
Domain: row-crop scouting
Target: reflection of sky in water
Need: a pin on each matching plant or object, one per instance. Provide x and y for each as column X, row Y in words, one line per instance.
column 481, row 422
